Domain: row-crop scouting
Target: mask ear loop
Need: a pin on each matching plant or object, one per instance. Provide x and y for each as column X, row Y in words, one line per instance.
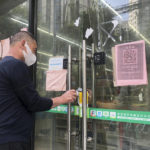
column 28, row 50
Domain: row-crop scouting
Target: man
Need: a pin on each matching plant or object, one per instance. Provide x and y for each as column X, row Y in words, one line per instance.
column 18, row 98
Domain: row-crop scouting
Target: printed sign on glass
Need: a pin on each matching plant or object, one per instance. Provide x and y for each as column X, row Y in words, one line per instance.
column 56, row 63
column 129, row 64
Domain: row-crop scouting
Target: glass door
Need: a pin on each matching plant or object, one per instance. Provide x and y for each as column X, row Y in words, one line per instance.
column 117, row 117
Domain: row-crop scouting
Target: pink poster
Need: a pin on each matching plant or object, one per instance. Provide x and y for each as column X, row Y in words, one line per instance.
column 4, row 47
column 129, row 63
column 24, row 29
column 1, row 50
column 56, row 80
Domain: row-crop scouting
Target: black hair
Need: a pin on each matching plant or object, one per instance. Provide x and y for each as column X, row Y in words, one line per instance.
column 22, row 35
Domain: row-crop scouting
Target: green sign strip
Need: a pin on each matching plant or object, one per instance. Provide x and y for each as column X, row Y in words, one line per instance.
column 140, row 117
column 62, row 109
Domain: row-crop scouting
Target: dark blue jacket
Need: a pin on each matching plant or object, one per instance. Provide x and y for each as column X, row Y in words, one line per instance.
column 18, row 100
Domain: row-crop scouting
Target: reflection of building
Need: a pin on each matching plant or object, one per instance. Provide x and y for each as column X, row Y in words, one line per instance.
column 7, row 5
column 144, row 16
column 133, row 15
column 65, row 11
column 85, row 3
column 140, row 17
column 47, row 13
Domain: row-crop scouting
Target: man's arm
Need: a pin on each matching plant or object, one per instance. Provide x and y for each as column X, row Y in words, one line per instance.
column 24, row 89
column 67, row 97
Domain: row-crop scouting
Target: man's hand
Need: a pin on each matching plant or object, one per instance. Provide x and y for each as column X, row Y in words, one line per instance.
column 68, row 97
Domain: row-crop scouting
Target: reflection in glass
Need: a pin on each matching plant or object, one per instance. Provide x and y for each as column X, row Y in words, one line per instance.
column 8, row 16
column 65, row 22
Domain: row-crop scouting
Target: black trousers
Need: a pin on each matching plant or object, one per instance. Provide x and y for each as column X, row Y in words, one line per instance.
column 15, row 146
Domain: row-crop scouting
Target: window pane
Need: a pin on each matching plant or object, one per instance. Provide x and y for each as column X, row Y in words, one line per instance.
column 13, row 17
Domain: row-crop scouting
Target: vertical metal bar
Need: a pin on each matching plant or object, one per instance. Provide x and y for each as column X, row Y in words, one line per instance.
column 93, row 96
column 54, row 131
column 54, row 28
column 98, row 26
column 80, row 85
column 80, row 67
column 93, row 76
column 84, row 101
column 33, row 29
column 69, row 105
column 54, row 53
column 31, row 16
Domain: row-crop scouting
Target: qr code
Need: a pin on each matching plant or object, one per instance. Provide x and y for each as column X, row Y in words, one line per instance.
column 130, row 56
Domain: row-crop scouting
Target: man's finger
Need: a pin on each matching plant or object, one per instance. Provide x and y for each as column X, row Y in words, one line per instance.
column 74, row 97
column 72, row 90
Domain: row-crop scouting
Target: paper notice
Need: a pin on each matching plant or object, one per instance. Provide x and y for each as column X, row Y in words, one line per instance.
column 130, row 64
column 4, row 47
column 141, row 97
column 115, row 23
column 24, row 29
column 114, row 66
column 88, row 33
column 56, row 80
column 56, row 63
column 77, row 22
column 1, row 50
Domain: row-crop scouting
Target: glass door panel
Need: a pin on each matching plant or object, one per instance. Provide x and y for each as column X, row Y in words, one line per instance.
column 112, row 23
column 116, row 23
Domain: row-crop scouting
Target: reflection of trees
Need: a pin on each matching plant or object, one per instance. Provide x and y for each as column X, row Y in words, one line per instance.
column 89, row 18
column 7, row 26
column 21, row 11
column 7, row 5
column 92, row 18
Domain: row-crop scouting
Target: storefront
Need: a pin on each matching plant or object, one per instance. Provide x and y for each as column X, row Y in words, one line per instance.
column 117, row 117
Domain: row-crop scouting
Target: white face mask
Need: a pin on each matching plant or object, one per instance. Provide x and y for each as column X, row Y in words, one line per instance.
column 29, row 57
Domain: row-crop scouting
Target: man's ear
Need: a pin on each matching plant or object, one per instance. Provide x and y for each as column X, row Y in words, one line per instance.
column 22, row 45
column 23, row 42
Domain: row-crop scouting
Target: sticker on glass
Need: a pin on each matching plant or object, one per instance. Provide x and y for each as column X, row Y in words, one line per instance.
column 129, row 64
